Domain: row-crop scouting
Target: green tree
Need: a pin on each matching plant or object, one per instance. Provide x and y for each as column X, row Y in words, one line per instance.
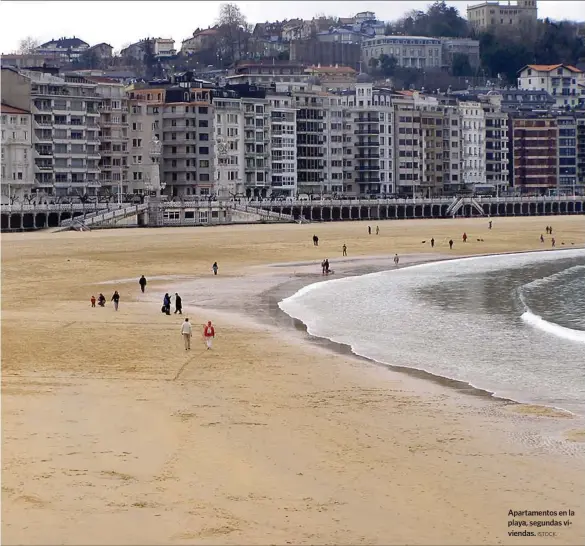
column 461, row 65
column 388, row 65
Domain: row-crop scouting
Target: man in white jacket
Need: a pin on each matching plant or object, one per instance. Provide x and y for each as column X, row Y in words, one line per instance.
column 187, row 332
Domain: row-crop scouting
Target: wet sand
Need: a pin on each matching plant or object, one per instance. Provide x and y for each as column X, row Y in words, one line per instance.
column 112, row 435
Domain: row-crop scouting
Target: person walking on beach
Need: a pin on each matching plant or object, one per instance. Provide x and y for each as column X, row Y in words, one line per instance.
column 178, row 304
column 323, row 267
column 553, row 242
column 93, row 301
column 396, row 260
column 101, row 300
column 215, row 268
column 550, row 229
column 142, row 283
column 116, row 300
column 187, row 333
column 490, row 224
column 451, row 244
column 166, row 308
column 208, row 334
column 315, row 240
column 369, row 230
column 377, row 230
column 464, row 237
column 541, row 238
column 344, row 249
column 326, row 266
column 432, row 243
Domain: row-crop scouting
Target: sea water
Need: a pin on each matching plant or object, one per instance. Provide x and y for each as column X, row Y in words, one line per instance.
column 513, row 324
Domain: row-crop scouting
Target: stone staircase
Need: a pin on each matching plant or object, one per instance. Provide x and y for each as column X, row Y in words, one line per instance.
column 257, row 213
column 99, row 219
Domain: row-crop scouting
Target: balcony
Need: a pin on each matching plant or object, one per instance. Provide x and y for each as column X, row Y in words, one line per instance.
column 369, row 180
column 369, row 131
column 42, row 109
column 367, row 156
column 370, row 119
column 368, row 144
column 44, row 138
column 44, row 153
column 46, row 124
column 362, row 168
column 43, row 168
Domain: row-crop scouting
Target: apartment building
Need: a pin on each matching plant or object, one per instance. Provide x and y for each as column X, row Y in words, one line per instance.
column 337, row 144
column 186, row 126
column 283, row 145
column 563, row 82
column 310, row 108
column 17, row 153
column 143, row 158
column 228, row 127
column 409, row 51
column 473, row 144
column 266, row 74
column 567, row 153
column 65, row 129
column 257, row 158
column 534, row 162
column 114, row 124
column 496, row 144
column 508, row 17
column 581, row 155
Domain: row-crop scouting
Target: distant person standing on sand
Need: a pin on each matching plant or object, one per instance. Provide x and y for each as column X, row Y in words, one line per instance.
column 464, row 237
column 116, row 300
column 554, row 243
column 550, row 229
column 490, row 224
column 541, row 238
column 326, row 266
column 433, row 243
column 377, row 230
column 142, row 283
column 178, row 304
column 344, row 248
column 187, row 332
column 323, row 267
column 215, row 268
column 315, row 240
column 92, row 301
column 451, row 244
column 208, row 334
column 396, row 260
column 369, row 230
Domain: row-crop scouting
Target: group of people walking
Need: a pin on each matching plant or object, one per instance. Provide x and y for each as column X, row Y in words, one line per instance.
column 186, row 327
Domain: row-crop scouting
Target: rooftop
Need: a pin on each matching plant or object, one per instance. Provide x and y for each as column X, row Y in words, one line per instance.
column 7, row 109
column 550, row 67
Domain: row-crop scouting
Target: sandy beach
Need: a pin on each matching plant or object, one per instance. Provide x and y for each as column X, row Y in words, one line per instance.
column 114, row 434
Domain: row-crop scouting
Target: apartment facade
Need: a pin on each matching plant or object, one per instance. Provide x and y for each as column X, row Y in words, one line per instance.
column 64, row 129
column 283, row 145
column 563, row 82
column 409, row 51
column 17, row 162
column 496, row 144
column 144, row 148
column 113, row 124
column 186, row 127
column 473, row 143
column 534, row 157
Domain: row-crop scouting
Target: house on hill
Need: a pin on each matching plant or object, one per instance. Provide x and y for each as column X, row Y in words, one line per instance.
column 64, row 48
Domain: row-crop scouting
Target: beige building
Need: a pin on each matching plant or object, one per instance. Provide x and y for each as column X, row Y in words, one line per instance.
column 143, row 160
column 563, row 82
column 17, row 178
column 113, row 122
column 520, row 15
column 333, row 77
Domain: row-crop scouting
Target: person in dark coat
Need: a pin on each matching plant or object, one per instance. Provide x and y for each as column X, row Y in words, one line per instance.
column 142, row 283
column 166, row 308
column 178, row 304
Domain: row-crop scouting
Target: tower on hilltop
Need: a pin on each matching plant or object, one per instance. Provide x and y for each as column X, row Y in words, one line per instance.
column 515, row 17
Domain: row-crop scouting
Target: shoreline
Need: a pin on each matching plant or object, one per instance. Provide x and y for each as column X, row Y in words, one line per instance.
column 262, row 307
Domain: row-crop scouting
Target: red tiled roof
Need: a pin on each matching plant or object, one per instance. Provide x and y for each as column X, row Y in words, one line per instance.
column 6, row 109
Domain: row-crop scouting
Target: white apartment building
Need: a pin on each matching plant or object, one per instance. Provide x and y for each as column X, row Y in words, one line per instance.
column 65, row 130
column 113, row 135
column 496, row 143
column 283, row 145
column 257, row 161
column 473, row 144
column 17, row 178
column 143, row 159
column 229, row 159
column 409, row 51
column 563, row 82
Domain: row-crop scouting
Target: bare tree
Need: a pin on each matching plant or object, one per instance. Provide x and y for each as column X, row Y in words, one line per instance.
column 233, row 29
column 27, row 45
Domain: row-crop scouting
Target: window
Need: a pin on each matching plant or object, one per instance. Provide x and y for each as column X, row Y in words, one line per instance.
column 203, row 136
column 203, row 123
column 204, row 177
column 203, row 150
column 203, row 109
column 204, row 163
